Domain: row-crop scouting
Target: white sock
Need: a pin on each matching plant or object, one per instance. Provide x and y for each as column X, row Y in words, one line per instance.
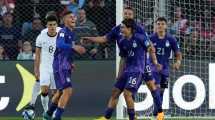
column 35, row 93
column 45, row 102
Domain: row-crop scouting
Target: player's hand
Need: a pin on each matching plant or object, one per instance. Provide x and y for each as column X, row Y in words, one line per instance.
column 79, row 49
column 93, row 51
column 159, row 67
column 176, row 66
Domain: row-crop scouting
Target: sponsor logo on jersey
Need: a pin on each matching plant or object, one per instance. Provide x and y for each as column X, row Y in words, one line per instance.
column 61, row 34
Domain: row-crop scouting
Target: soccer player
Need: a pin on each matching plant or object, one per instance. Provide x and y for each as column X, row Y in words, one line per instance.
column 164, row 43
column 62, row 65
column 44, row 55
column 133, row 69
column 128, row 13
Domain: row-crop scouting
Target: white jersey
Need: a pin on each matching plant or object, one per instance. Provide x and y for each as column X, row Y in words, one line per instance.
column 48, row 46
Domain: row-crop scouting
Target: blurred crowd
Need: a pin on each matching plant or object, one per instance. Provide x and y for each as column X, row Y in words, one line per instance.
column 22, row 20
column 193, row 25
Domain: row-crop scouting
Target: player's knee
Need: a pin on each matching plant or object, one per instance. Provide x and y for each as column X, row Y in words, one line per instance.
column 53, row 92
column 127, row 94
column 67, row 91
column 151, row 85
column 44, row 89
column 44, row 94
column 116, row 93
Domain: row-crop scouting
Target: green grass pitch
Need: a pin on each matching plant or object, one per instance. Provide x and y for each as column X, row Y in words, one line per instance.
column 91, row 118
column 19, row 118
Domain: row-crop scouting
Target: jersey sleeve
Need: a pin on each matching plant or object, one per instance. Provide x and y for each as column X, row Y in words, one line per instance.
column 122, row 52
column 144, row 39
column 140, row 29
column 39, row 41
column 174, row 45
column 113, row 34
column 60, row 43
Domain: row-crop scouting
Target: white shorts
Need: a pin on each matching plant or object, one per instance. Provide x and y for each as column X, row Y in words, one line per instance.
column 47, row 78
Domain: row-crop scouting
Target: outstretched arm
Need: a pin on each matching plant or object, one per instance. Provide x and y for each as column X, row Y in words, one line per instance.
column 99, row 39
column 79, row 49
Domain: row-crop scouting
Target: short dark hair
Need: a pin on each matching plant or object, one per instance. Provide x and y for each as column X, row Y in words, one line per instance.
column 50, row 13
column 51, row 18
column 161, row 19
column 130, row 23
column 67, row 13
column 129, row 8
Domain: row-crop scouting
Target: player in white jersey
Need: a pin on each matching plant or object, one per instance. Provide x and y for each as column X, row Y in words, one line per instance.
column 44, row 55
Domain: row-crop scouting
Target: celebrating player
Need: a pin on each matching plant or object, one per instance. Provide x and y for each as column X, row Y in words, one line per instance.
column 45, row 47
column 133, row 68
column 62, row 65
column 164, row 43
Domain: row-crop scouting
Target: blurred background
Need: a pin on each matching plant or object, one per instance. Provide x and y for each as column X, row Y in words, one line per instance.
column 22, row 20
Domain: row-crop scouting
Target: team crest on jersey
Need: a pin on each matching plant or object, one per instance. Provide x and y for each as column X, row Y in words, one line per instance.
column 167, row 43
column 155, row 44
column 134, row 44
column 147, row 43
column 61, row 34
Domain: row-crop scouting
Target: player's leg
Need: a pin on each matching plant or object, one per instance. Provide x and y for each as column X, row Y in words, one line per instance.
column 156, row 98
column 112, row 103
column 45, row 97
column 134, row 81
column 55, row 96
column 45, row 83
column 53, row 106
column 116, row 91
column 157, row 78
column 54, row 102
column 155, row 91
column 130, row 104
column 66, row 87
column 163, row 85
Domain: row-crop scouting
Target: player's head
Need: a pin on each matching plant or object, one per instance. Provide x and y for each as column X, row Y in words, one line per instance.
column 127, row 27
column 69, row 19
column 51, row 24
column 128, row 13
column 161, row 24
